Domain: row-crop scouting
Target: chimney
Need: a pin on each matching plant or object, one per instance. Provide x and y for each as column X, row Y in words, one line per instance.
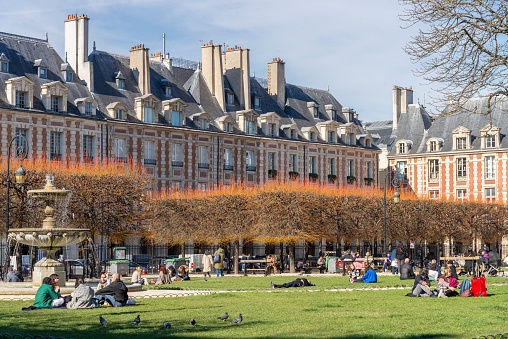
column 140, row 67
column 76, row 46
column 348, row 114
column 402, row 97
column 237, row 71
column 277, row 81
column 212, row 71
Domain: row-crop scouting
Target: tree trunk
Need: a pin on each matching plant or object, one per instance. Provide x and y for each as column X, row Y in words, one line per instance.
column 292, row 257
column 183, row 250
column 237, row 255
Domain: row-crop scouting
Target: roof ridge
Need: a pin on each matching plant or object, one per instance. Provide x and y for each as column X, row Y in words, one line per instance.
column 27, row 38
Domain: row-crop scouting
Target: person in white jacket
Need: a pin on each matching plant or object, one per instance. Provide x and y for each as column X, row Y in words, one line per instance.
column 207, row 263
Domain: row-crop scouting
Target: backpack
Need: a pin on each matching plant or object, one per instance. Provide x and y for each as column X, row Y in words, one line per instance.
column 216, row 259
column 465, row 285
column 478, row 287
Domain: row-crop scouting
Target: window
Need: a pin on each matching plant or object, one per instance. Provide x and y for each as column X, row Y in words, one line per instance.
column 69, row 76
column 312, row 136
column 20, row 142
column 368, row 143
column 88, row 108
column 88, row 147
column 43, row 72
column 434, row 194
column 55, row 103
column 461, row 143
column 148, row 115
column 120, row 149
column 331, row 136
column 461, row 169
column 434, row 169
column 121, row 84
column 490, row 194
column 292, row 134
column 272, row 162
column 177, row 155
column 490, row 168
column 4, row 66
column 433, row 146
column 227, row 159
column 249, row 127
column 227, row 127
column 119, row 114
column 176, row 119
column 293, row 163
column 168, row 91
column 250, row 161
column 312, row 164
column 490, row 141
column 461, row 194
column 331, row 166
column 402, row 168
column 351, row 168
column 149, row 150
column 369, row 169
column 203, row 157
column 257, row 102
column 203, row 124
column 402, row 148
column 231, row 98
column 201, row 186
column 20, row 99
column 55, row 146
column 273, row 130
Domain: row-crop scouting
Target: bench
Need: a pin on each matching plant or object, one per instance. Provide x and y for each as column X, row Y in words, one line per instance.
column 476, row 266
column 314, row 269
column 253, row 261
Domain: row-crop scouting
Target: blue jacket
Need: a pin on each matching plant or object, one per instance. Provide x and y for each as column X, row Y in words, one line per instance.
column 370, row 277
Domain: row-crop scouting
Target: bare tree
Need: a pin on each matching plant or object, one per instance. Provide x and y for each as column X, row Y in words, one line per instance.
column 462, row 48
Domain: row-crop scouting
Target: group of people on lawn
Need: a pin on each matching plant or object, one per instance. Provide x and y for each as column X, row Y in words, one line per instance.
column 448, row 282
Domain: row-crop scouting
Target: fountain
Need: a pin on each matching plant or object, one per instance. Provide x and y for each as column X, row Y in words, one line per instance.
column 49, row 238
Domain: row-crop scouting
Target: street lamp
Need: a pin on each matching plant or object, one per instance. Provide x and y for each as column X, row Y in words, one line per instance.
column 21, row 154
column 395, row 182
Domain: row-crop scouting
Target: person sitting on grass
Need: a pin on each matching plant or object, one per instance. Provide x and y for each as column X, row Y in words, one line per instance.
column 115, row 294
column 447, row 284
column 369, row 277
column 12, row 276
column 46, row 296
column 299, row 282
column 83, row 296
column 421, row 287
column 183, row 273
column 163, row 278
column 136, row 276
column 406, row 270
column 105, row 281
column 453, row 271
column 433, row 273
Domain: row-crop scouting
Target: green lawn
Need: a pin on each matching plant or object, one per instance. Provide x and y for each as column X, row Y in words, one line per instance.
column 292, row 313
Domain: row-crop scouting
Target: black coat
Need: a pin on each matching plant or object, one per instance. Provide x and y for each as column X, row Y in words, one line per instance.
column 117, row 289
column 401, row 253
column 406, row 272
column 419, row 279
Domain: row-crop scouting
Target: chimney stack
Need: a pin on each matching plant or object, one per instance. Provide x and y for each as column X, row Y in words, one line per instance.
column 237, row 70
column 140, row 67
column 402, row 97
column 212, row 71
column 277, row 81
column 76, row 46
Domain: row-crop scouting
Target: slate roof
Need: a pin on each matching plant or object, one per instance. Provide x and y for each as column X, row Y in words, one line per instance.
column 22, row 53
column 381, row 132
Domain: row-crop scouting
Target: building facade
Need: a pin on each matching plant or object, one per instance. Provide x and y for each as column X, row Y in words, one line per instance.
column 189, row 127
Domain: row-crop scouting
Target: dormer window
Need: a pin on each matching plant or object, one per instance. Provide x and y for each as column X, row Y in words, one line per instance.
column 176, row 118
column 21, row 99
column 225, row 123
column 368, row 144
column 312, row 136
column 257, row 102
column 460, row 143
column 4, row 63
column 86, row 106
column 490, row 141
column 230, row 98
column 490, row 136
column 168, row 91
column 433, row 146
column 148, row 115
column 313, row 108
column 119, row 114
column 203, row 123
column 56, row 103
column 350, row 137
column 331, row 137
column 249, row 127
column 273, row 130
column 43, row 72
column 292, row 134
column 121, row 84
column 69, row 76
column 66, row 70
column 42, row 68
column 118, row 110
column 461, row 138
column 120, row 80
column 402, row 148
column 227, row 127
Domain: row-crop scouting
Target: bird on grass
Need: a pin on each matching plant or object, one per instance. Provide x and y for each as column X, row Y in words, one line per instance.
column 237, row 320
column 167, row 325
column 137, row 320
column 224, row 317
column 192, row 322
column 103, row 321
column 205, row 279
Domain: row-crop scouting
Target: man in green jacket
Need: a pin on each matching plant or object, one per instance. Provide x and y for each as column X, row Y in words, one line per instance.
column 46, row 294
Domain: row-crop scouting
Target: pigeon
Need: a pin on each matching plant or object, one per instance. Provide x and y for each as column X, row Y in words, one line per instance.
column 224, row 317
column 237, row 320
column 103, row 321
column 205, row 279
column 192, row 322
column 137, row 320
column 167, row 325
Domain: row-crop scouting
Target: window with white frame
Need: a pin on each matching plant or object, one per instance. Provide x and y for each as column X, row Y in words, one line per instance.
column 351, row 139
column 461, row 168
column 312, row 136
column 201, row 186
column 433, row 146
column 490, row 194
column 250, row 158
column 177, row 154
column 461, row 194
column 167, row 91
column 55, row 146
column 88, row 147
column 272, row 161
column 257, row 102
column 230, row 98
column 148, row 115
column 331, row 136
column 273, row 130
column 368, row 143
column 249, row 127
column 4, row 66
column 69, row 76
column 293, row 163
column 292, row 134
column 227, row 127
column 434, row 194
column 460, row 143
column 434, row 169
column 401, row 148
column 369, row 169
column 490, row 167
column 402, row 168
column 312, row 165
column 88, row 108
column 490, row 141
column 351, row 168
column 20, row 99
column 176, row 118
column 56, row 103
column 203, row 156
column 43, row 72
column 149, row 150
column 20, row 142
column 331, row 166
column 121, row 83
column 203, row 123
column 119, row 114
column 227, row 157
column 120, row 149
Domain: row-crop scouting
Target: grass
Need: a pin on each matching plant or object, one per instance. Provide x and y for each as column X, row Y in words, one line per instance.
column 288, row 313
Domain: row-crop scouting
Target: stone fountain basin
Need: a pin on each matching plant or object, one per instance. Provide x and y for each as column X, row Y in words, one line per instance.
column 49, row 237
column 49, row 194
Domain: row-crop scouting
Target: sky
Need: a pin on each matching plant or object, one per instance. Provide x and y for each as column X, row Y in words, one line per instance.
column 352, row 47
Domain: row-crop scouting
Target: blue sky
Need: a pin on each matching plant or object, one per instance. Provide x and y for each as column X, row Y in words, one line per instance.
column 353, row 47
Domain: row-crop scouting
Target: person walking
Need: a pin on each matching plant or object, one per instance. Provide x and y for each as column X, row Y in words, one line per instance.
column 218, row 260
column 207, row 263
column 400, row 255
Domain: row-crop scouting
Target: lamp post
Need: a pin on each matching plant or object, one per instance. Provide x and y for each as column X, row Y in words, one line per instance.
column 21, row 154
column 396, row 182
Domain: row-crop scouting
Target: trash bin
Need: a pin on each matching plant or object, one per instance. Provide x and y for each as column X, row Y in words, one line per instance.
column 330, row 264
column 177, row 262
column 120, row 266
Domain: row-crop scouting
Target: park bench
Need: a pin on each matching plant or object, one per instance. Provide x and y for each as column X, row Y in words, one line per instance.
column 476, row 266
column 267, row 263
